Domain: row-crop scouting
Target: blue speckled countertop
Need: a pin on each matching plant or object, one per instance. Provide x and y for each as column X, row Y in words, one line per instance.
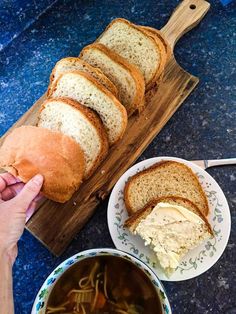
column 34, row 35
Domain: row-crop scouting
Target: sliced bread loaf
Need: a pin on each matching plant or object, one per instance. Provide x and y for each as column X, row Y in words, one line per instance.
column 137, row 46
column 29, row 150
column 84, row 89
column 127, row 77
column 82, row 124
column 164, row 179
column 74, row 64
column 171, row 226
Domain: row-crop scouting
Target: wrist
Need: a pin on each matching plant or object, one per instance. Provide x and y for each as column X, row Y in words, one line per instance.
column 4, row 255
column 7, row 255
column 6, row 290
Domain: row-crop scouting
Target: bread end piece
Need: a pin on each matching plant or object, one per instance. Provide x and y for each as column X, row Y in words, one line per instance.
column 30, row 150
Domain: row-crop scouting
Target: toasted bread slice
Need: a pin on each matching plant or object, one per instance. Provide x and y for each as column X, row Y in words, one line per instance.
column 84, row 89
column 137, row 46
column 164, row 179
column 171, row 226
column 127, row 77
column 81, row 124
column 76, row 64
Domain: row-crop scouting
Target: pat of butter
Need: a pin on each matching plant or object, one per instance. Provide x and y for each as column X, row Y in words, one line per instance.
column 171, row 231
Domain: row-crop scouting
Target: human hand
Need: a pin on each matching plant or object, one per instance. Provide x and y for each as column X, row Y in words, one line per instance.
column 17, row 204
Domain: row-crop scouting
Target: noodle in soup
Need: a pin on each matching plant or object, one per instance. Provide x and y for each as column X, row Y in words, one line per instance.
column 104, row 285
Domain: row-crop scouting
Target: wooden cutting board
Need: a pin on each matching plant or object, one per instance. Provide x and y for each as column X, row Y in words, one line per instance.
column 56, row 224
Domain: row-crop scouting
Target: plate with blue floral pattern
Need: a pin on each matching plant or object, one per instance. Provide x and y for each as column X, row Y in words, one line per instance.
column 198, row 260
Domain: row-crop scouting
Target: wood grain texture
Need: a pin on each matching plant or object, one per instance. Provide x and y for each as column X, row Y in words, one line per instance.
column 56, row 224
column 186, row 16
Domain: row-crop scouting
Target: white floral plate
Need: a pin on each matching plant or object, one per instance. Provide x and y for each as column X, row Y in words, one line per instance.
column 195, row 262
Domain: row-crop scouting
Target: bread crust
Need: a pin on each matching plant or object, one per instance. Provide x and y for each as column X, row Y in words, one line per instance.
column 168, row 52
column 163, row 164
column 106, row 82
column 93, row 119
column 133, row 221
column 116, row 102
column 160, row 36
column 163, row 59
column 29, row 150
column 132, row 69
column 159, row 47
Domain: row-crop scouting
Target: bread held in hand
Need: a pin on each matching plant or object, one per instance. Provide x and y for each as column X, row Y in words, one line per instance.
column 29, row 150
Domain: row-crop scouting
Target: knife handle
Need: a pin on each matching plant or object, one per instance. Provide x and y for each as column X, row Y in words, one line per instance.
column 221, row 162
column 186, row 16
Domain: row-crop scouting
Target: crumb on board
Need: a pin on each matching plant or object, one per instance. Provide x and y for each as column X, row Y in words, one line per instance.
column 103, row 171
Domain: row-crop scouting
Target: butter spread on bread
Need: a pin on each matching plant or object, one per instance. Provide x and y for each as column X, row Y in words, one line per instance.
column 171, row 230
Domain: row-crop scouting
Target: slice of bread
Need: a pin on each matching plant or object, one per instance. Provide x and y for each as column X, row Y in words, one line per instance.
column 74, row 64
column 171, row 236
column 84, row 89
column 137, row 46
column 82, row 124
column 155, row 32
column 165, row 47
column 29, row 150
column 133, row 220
column 127, row 77
column 164, row 179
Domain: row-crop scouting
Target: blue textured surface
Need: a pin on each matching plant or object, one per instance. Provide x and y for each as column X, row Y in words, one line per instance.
column 226, row 2
column 204, row 127
column 15, row 16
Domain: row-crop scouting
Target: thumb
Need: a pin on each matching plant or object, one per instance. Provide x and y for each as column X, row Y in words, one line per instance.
column 29, row 192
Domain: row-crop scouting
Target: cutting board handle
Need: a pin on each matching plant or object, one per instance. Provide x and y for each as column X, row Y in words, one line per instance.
column 186, row 16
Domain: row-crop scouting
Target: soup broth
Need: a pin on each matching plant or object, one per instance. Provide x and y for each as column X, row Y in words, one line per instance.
column 104, row 285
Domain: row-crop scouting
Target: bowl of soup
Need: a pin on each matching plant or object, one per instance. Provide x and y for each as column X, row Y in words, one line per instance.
column 102, row 281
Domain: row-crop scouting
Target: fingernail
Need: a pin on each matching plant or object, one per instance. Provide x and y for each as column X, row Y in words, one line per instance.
column 38, row 179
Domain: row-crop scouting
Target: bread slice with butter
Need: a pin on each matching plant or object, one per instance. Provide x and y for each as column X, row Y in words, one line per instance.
column 80, row 123
column 171, row 226
column 164, row 179
column 137, row 46
column 84, row 89
column 126, row 77
column 76, row 64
